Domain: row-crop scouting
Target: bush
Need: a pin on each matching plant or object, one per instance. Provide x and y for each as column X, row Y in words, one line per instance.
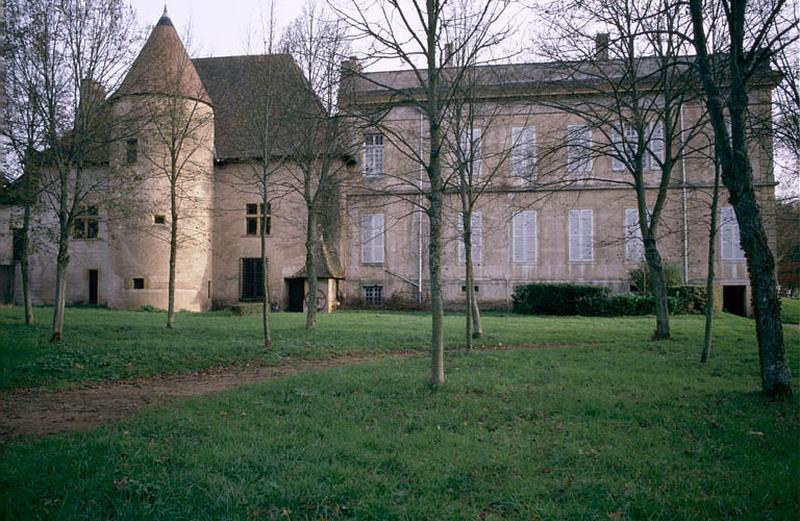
column 592, row 301
column 555, row 299
column 640, row 277
column 694, row 298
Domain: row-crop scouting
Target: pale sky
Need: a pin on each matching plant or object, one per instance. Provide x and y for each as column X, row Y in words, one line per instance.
column 218, row 28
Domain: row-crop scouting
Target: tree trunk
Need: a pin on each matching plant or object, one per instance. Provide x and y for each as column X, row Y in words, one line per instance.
column 659, row 284
column 62, row 261
column 477, row 326
column 437, row 306
column 173, row 252
column 311, row 270
column 27, row 297
column 712, row 250
column 264, row 270
column 737, row 176
column 467, row 237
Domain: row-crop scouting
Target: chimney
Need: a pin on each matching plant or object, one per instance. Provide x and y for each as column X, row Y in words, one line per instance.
column 448, row 53
column 350, row 69
column 601, row 46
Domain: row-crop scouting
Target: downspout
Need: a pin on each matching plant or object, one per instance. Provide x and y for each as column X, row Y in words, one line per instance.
column 685, row 201
column 419, row 212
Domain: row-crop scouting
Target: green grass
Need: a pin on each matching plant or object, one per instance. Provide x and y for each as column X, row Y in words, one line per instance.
column 102, row 344
column 790, row 310
column 622, row 427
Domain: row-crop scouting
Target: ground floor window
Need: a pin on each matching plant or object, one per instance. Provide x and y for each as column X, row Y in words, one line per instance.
column 251, row 279
column 373, row 295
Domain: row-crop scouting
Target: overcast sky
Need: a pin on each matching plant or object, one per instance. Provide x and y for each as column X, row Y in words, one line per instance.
column 218, row 28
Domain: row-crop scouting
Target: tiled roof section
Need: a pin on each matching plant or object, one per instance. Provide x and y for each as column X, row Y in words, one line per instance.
column 163, row 67
column 239, row 86
column 506, row 75
column 328, row 264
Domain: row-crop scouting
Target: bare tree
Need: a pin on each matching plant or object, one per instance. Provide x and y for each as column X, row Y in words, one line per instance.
column 753, row 32
column 23, row 129
column 413, row 33
column 179, row 138
column 630, row 91
column 318, row 44
column 77, row 49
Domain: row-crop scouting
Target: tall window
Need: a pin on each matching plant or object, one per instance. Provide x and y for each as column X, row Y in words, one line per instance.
column 524, row 237
column 730, row 242
column 634, row 247
column 579, row 152
column 85, row 225
column 372, row 238
column 581, row 235
column 373, row 155
column 477, row 238
column 626, row 148
column 251, row 279
column 131, row 150
column 252, row 220
column 470, row 151
column 523, row 151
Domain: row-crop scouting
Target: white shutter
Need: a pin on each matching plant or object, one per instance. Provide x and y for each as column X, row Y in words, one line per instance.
column 476, row 154
column 587, row 235
column 633, row 235
column 523, row 151
column 377, row 238
column 574, row 235
column 462, row 256
column 656, row 146
column 366, row 235
column 579, row 157
column 524, row 237
column 477, row 237
column 617, row 149
column 731, row 246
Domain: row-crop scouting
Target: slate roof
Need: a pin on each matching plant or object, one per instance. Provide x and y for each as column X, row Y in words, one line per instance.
column 163, row 66
column 238, row 85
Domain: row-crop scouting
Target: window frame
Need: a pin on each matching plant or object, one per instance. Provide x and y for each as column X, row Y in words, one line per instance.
column 571, row 254
column 519, row 218
column 253, row 218
column 577, row 166
column 729, row 224
column 88, row 222
column 376, row 300
column 523, row 166
column 369, row 247
column 374, row 155
column 477, row 239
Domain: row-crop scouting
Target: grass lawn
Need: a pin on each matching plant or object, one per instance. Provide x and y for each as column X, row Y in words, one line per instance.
column 619, row 428
column 790, row 310
column 101, row 344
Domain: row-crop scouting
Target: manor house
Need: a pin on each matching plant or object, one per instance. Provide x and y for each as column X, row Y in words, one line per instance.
column 374, row 236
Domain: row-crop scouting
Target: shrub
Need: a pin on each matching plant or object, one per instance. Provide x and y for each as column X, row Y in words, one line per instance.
column 694, row 298
column 554, row 299
column 640, row 277
column 592, row 301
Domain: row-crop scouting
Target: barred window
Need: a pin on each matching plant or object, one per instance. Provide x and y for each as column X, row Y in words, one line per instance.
column 85, row 224
column 252, row 220
column 373, row 295
column 138, row 283
column 251, row 279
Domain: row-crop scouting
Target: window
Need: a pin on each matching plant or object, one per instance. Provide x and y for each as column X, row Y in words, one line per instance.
column 579, row 151
column 469, row 148
column 523, row 151
column 251, row 219
column 251, row 279
column 477, row 238
column 373, row 155
column 138, row 283
column 159, row 219
column 18, row 244
column 131, row 150
column 372, row 238
column 85, row 225
column 475, row 288
column 625, row 149
column 581, row 235
column 634, row 247
column 730, row 242
column 373, row 295
column 524, row 237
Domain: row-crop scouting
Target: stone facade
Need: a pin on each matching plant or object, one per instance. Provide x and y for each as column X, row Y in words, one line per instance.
column 125, row 264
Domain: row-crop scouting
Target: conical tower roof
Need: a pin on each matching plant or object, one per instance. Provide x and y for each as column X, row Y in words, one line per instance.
column 164, row 67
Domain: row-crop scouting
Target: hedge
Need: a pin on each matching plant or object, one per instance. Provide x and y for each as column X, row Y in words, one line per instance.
column 595, row 301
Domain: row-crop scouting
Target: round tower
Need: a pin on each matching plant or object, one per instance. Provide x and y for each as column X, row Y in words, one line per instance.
column 163, row 149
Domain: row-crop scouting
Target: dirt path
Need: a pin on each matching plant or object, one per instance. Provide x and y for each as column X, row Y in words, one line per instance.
column 38, row 413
